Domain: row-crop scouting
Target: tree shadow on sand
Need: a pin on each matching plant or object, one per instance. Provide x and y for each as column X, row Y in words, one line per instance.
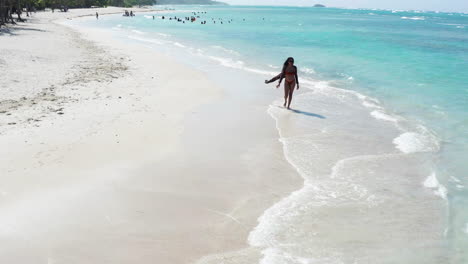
column 11, row 30
column 307, row 113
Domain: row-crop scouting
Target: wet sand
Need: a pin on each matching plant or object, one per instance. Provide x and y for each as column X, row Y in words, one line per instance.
column 117, row 154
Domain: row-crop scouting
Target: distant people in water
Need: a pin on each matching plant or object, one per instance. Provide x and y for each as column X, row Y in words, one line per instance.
column 126, row 13
column 97, row 15
column 289, row 73
column 194, row 18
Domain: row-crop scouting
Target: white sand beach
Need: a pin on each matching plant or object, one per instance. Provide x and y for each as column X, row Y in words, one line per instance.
column 116, row 154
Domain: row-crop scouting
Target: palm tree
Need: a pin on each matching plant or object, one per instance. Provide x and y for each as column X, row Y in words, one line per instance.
column 2, row 12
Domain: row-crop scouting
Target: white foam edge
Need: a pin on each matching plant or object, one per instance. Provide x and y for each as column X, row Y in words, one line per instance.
column 412, row 142
column 259, row 236
column 149, row 40
column 454, row 179
column 256, row 237
column 379, row 114
column 414, row 18
column 177, row 44
column 163, row 34
column 431, row 182
column 225, row 49
column 307, row 70
column 238, row 64
column 138, row 32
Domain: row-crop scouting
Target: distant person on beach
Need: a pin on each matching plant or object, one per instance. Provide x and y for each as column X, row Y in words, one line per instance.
column 289, row 73
column 97, row 15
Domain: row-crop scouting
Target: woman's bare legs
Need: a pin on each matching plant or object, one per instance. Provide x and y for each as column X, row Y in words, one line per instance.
column 291, row 90
column 286, row 93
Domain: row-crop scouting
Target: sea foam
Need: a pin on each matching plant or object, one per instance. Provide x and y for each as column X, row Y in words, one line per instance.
column 163, row 35
column 411, row 142
column 431, row 182
column 138, row 32
column 238, row 64
column 378, row 114
column 306, row 70
column 226, row 50
column 149, row 40
column 414, row 18
column 179, row 45
column 227, row 62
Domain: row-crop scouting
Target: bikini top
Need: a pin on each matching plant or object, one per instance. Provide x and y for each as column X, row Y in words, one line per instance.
column 290, row 73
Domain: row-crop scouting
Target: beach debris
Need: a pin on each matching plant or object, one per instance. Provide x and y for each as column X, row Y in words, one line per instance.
column 57, row 110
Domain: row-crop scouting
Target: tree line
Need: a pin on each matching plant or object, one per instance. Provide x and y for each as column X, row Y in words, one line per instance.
column 11, row 11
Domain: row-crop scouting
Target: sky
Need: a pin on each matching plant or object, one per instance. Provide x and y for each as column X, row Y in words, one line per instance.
column 432, row 5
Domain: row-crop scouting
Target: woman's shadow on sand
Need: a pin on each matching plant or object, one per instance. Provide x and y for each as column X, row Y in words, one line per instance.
column 307, row 113
column 303, row 112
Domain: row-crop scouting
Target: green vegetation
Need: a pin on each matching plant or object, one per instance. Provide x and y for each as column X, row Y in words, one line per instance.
column 8, row 8
column 188, row 2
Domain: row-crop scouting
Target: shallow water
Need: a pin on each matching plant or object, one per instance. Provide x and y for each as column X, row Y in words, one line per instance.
column 380, row 136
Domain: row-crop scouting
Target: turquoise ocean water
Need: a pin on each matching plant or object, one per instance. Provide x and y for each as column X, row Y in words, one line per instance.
column 408, row 68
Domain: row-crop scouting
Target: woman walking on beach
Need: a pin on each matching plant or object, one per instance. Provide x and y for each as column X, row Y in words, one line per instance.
column 289, row 73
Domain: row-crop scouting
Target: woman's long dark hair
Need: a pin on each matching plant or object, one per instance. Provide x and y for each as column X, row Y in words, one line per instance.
column 285, row 64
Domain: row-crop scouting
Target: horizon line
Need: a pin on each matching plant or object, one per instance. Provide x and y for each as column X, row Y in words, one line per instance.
column 353, row 8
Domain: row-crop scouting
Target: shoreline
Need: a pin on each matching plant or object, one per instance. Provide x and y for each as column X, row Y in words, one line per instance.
column 402, row 142
column 106, row 160
column 382, row 125
column 204, row 121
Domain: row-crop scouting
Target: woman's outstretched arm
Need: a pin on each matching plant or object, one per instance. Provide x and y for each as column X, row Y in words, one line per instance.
column 274, row 78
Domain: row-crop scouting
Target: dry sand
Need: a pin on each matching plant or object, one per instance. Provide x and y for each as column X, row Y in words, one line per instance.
column 116, row 154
